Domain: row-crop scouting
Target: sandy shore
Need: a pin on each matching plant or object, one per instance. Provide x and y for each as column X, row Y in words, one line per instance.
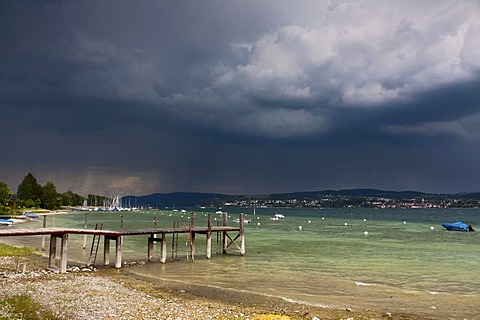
column 116, row 294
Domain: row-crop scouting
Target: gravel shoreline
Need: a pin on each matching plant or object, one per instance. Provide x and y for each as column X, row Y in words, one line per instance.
column 84, row 293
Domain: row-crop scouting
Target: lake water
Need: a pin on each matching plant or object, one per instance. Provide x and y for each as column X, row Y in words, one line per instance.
column 392, row 260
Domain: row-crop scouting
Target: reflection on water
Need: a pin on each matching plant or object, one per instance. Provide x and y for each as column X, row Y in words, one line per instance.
column 389, row 259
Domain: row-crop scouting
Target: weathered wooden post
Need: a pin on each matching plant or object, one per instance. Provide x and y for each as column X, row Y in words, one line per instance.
column 174, row 241
column 121, row 227
column 163, row 254
column 242, row 234
column 150, row 247
column 224, row 238
column 209, row 236
column 192, row 235
column 53, row 252
column 85, row 236
column 42, row 246
column 118, row 252
column 217, row 249
column 63, row 255
column 106, row 250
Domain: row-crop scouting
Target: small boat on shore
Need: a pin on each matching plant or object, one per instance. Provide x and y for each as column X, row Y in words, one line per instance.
column 457, row 226
column 6, row 222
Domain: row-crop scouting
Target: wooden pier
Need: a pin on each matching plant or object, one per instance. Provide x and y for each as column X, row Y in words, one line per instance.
column 154, row 235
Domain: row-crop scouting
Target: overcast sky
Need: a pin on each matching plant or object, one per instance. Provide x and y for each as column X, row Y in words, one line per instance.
column 240, row 97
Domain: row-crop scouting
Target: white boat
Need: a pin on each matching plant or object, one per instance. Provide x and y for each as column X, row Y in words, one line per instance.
column 244, row 221
column 277, row 216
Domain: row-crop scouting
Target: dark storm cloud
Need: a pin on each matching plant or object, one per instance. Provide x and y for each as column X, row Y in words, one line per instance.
column 231, row 96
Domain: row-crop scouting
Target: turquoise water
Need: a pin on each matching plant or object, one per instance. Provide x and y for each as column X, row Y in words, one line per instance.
column 406, row 263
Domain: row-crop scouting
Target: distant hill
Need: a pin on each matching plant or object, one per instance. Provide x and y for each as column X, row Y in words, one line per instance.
column 365, row 193
column 191, row 199
column 471, row 195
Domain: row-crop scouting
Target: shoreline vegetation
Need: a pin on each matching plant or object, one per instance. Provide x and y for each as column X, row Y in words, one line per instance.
column 29, row 291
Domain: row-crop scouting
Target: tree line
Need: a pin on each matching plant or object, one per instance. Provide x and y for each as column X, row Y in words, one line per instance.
column 30, row 194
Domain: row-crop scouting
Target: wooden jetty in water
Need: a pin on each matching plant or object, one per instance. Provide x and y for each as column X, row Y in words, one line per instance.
column 154, row 235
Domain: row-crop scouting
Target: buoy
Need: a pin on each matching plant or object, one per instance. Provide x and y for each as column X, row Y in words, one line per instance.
column 432, row 228
column 309, row 221
column 346, row 224
column 365, row 233
column 258, row 223
column 404, row 222
column 364, row 219
column 300, row 228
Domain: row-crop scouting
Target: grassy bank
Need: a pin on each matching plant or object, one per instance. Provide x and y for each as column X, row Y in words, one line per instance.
column 11, row 251
column 23, row 307
column 20, row 306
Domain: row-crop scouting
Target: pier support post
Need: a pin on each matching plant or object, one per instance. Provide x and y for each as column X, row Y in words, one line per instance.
column 242, row 234
column 224, row 238
column 192, row 236
column 53, row 252
column 85, row 236
column 209, row 236
column 163, row 253
column 63, row 252
column 118, row 252
column 63, row 255
column 150, row 247
column 42, row 246
column 106, row 251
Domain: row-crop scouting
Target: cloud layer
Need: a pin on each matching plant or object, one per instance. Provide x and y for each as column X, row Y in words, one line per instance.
column 241, row 97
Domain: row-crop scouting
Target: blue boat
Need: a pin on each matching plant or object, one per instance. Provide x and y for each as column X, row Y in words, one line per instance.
column 457, row 226
column 6, row 222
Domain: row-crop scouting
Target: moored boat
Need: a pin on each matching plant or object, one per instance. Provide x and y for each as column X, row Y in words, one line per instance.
column 6, row 222
column 457, row 226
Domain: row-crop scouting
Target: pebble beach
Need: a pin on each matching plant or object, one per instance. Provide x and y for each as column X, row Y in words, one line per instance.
column 86, row 293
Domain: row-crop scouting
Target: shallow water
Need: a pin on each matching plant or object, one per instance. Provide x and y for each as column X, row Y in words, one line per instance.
column 406, row 263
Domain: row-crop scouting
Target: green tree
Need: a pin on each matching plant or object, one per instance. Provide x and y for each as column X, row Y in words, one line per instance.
column 71, row 199
column 50, row 196
column 29, row 188
column 4, row 193
column 29, row 203
column 67, row 198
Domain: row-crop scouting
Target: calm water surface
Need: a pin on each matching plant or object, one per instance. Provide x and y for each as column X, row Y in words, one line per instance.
column 395, row 260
